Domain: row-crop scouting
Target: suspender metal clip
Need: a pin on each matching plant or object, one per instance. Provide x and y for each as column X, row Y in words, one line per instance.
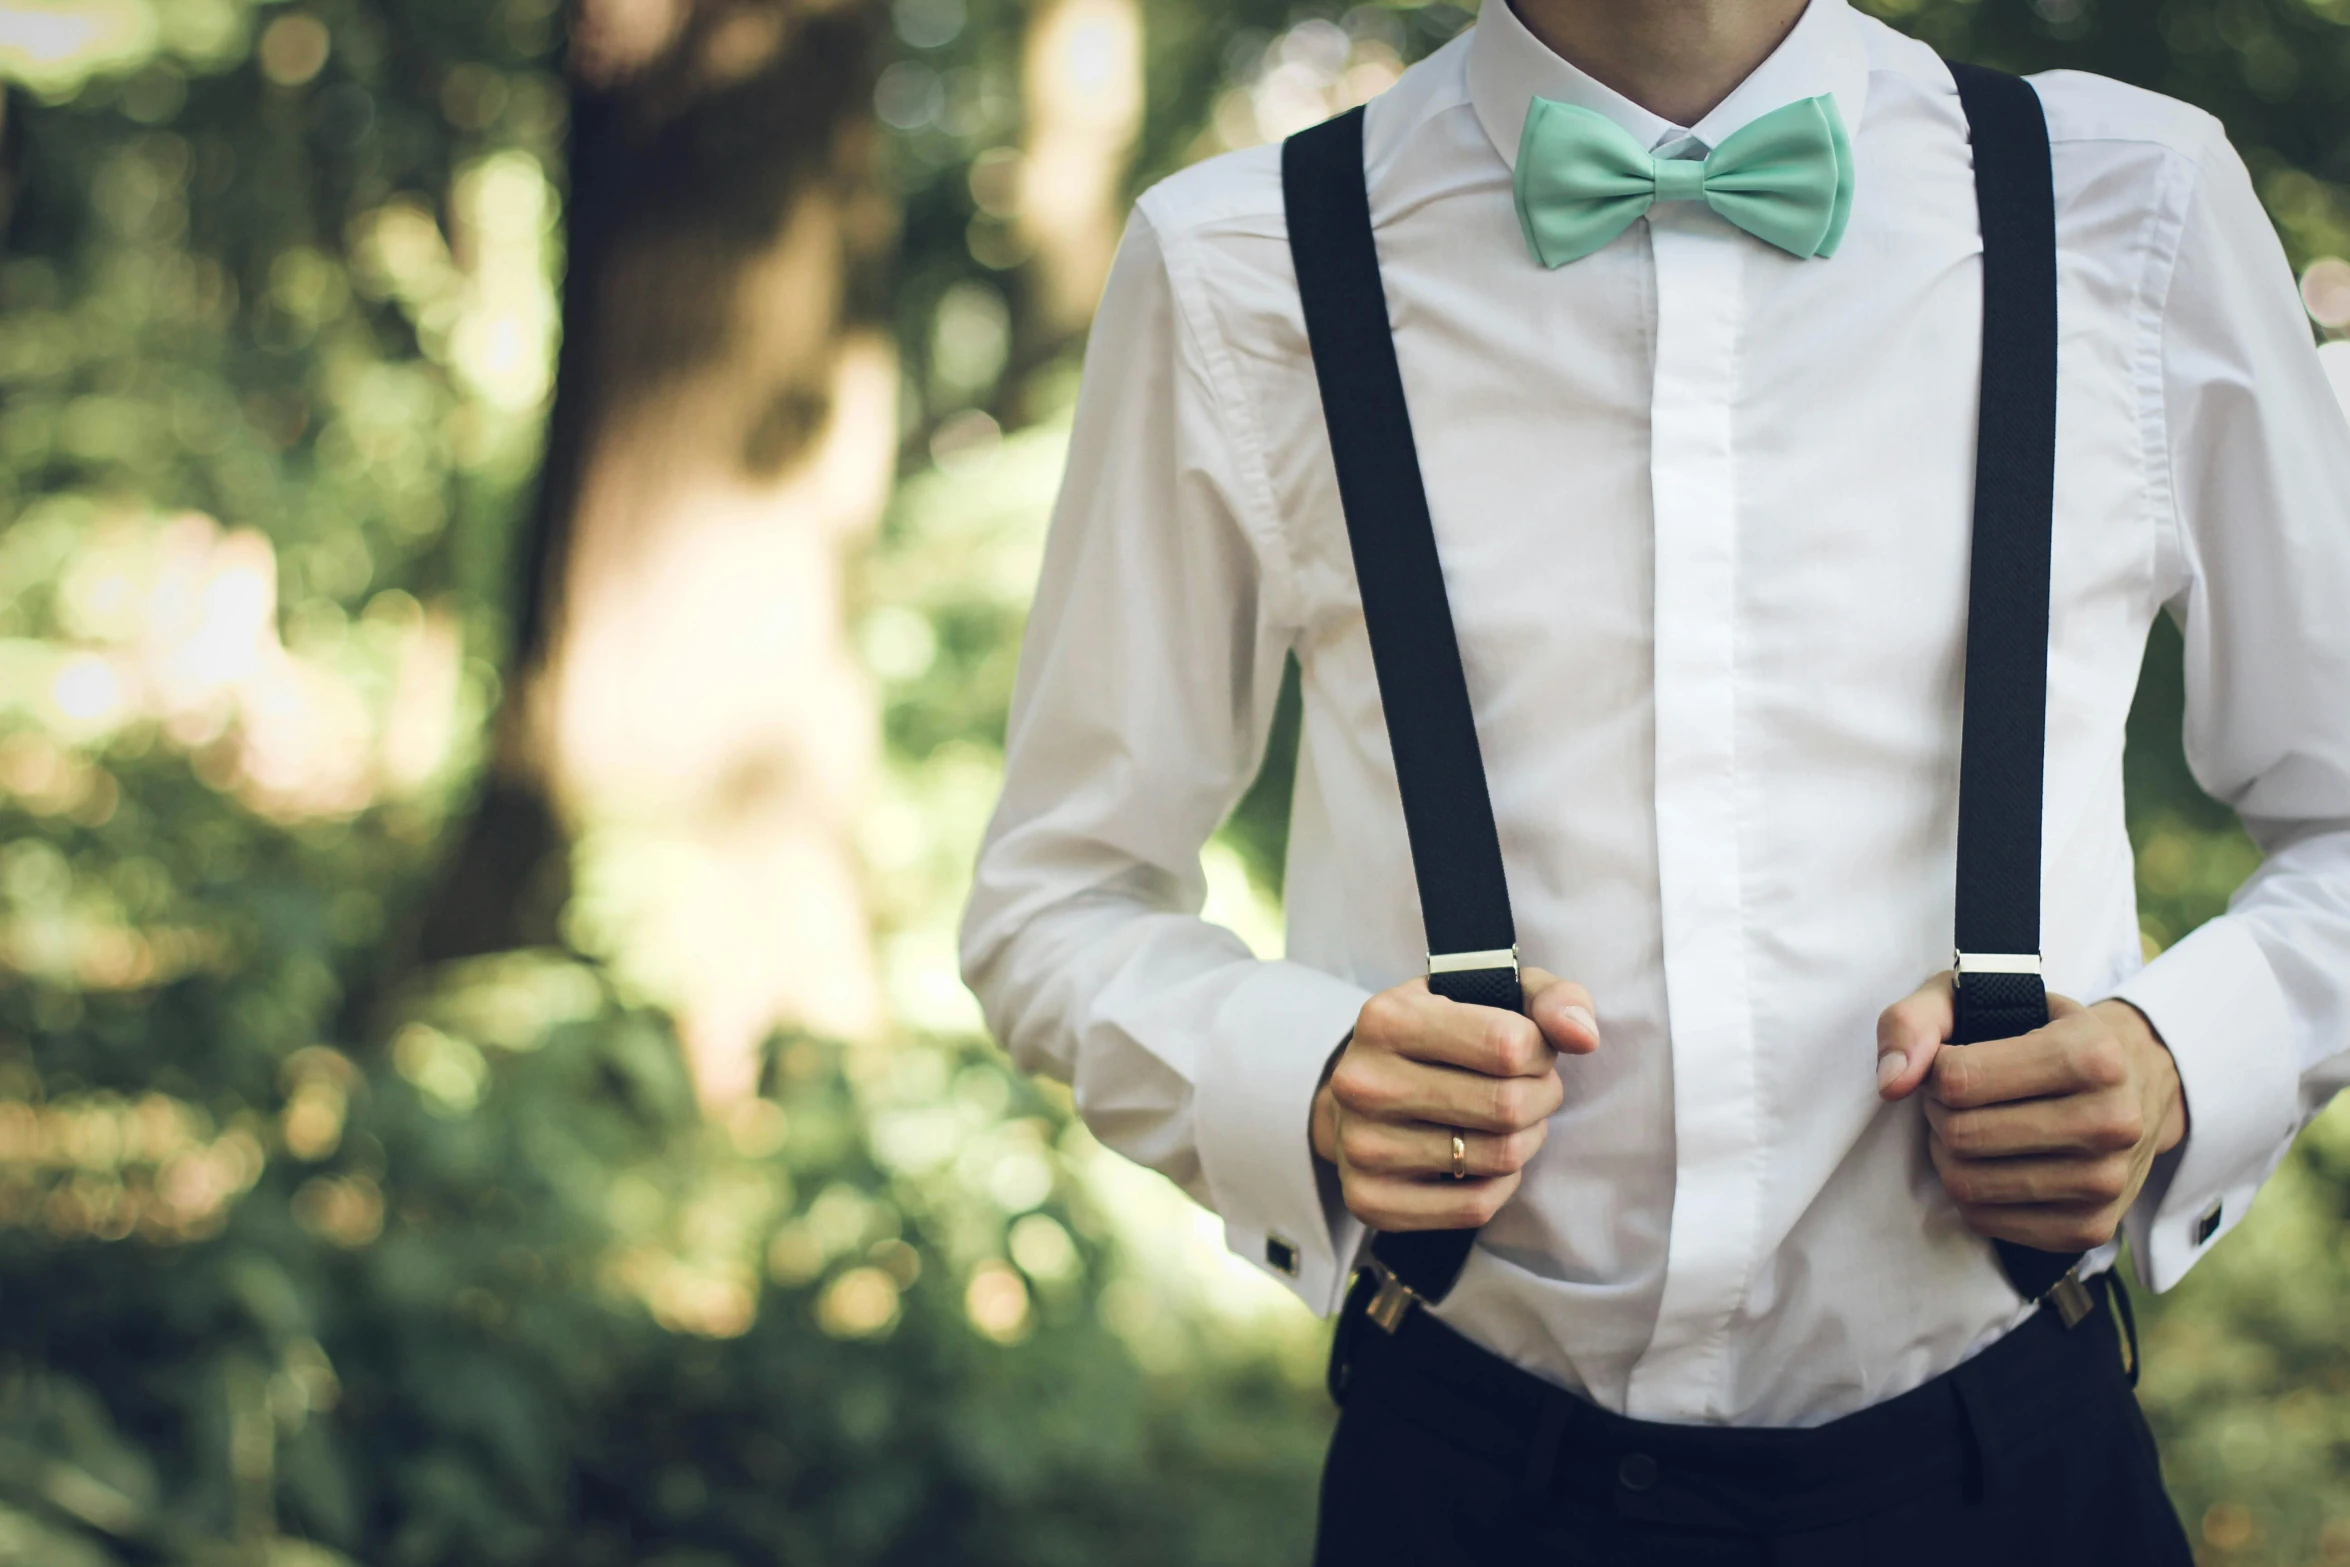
column 1470, row 962
column 1392, row 1301
column 2071, row 1298
column 1964, row 963
column 1487, row 979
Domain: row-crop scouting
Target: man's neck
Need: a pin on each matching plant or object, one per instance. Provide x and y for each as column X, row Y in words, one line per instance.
column 1674, row 58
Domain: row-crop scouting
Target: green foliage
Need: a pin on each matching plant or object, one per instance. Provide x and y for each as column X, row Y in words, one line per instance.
column 2248, row 1374
column 305, row 1261
column 230, row 290
column 505, row 1296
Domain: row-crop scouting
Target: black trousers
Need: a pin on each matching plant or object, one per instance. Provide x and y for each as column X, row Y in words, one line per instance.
column 2033, row 1452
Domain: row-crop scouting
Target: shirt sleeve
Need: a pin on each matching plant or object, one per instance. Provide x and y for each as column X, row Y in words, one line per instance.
column 2254, row 1005
column 1146, row 688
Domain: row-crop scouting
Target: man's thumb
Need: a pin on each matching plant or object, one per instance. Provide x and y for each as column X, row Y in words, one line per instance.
column 1909, row 1033
column 1562, row 1010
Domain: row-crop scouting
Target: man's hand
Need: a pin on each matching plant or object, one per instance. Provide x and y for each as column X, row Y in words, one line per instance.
column 1417, row 1069
column 2043, row 1139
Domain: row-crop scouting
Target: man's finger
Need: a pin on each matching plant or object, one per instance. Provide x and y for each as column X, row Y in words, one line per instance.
column 1977, row 1183
column 1909, row 1037
column 2076, row 1124
column 1400, row 1090
column 1411, row 1022
column 1395, row 1203
column 1413, row 1148
column 2069, row 1056
column 1562, row 1010
column 2057, row 1227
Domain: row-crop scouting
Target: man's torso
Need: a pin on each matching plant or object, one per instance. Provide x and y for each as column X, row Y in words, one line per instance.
column 1703, row 510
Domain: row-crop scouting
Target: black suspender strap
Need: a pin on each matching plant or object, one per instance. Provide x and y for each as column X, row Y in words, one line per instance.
column 2004, row 740
column 2000, row 760
column 1456, row 853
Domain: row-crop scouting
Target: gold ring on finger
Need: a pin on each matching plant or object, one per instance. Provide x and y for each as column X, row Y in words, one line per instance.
column 1460, row 1157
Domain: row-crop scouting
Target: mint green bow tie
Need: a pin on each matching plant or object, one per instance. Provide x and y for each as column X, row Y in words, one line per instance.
column 1582, row 180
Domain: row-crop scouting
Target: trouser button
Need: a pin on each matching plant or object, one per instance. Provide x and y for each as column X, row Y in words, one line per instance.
column 1637, row 1472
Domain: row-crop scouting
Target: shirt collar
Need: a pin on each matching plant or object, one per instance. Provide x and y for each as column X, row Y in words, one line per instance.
column 1508, row 67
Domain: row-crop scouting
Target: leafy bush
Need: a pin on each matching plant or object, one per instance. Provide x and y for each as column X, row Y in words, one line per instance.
column 503, row 1295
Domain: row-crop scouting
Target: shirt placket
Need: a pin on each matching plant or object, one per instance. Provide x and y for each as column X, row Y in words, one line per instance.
column 1716, row 1105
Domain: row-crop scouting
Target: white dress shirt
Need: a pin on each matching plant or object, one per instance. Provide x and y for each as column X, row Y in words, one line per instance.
column 1704, row 514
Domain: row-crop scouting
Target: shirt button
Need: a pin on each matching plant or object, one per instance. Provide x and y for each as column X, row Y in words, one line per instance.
column 1637, row 1472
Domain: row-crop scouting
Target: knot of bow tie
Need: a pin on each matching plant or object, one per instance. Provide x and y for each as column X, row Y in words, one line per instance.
column 1785, row 178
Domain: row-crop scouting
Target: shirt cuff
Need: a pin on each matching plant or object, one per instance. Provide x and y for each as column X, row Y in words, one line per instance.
column 1254, row 1122
column 2217, row 1005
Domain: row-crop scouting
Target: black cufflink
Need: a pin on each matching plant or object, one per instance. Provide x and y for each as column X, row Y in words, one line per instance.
column 2207, row 1226
column 1281, row 1255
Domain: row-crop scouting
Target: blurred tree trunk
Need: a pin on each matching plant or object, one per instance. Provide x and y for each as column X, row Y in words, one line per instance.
column 1081, row 95
column 682, row 704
